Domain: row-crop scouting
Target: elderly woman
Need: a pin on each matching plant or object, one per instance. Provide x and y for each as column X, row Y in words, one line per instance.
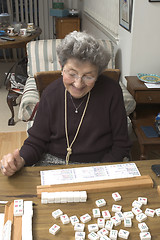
column 81, row 116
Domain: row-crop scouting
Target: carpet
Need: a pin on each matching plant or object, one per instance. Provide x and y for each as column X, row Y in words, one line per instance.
column 5, row 114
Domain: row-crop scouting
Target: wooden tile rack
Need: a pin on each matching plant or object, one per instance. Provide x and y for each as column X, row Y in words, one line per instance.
column 100, row 186
column 16, row 221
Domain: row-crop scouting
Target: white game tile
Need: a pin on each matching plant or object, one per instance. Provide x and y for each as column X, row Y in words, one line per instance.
column 96, row 212
column 74, row 220
column 106, row 214
column 101, row 222
column 127, row 222
column 54, row 229
column 149, row 212
column 157, row 211
column 93, row 236
column 123, row 234
column 85, row 218
column 93, row 227
column 102, row 232
column 143, row 200
column 116, row 196
column 145, row 236
column 116, row 208
column 79, row 227
column 141, row 217
column 143, row 227
column 80, row 235
column 57, row 213
column 65, row 219
column 113, row 234
column 100, row 203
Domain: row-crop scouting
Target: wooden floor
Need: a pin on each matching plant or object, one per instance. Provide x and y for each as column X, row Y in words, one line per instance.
column 10, row 141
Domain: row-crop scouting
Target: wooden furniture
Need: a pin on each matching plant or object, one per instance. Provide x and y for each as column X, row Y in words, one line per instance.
column 23, row 185
column 100, row 186
column 16, row 221
column 49, row 62
column 11, row 101
column 65, row 25
column 147, row 107
column 9, row 141
column 20, row 42
column 43, row 79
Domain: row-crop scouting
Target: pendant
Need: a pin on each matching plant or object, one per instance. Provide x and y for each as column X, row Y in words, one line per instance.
column 76, row 111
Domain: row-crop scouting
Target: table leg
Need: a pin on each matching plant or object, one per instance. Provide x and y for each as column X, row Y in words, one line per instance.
column 143, row 154
column 11, row 101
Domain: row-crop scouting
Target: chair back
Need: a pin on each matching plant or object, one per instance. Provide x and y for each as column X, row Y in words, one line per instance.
column 43, row 79
column 113, row 74
column 42, row 55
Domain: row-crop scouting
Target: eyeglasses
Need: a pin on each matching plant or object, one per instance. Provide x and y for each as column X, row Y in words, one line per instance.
column 73, row 76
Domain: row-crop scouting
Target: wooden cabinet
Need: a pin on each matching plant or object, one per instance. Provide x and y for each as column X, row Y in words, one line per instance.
column 66, row 25
column 146, row 98
column 141, row 93
column 147, row 107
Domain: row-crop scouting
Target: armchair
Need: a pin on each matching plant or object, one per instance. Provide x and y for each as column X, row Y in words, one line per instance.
column 44, row 78
column 42, row 57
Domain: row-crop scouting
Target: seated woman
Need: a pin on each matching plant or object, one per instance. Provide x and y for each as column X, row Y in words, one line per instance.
column 81, row 116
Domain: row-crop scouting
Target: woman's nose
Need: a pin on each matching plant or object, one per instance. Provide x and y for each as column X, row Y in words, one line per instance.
column 78, row 82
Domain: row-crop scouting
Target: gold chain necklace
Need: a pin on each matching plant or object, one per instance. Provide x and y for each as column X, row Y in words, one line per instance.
column 76, row 108
column 69, row 146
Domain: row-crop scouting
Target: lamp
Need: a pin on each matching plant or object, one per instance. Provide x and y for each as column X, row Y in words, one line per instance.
column 4, row 21
column 73, row 12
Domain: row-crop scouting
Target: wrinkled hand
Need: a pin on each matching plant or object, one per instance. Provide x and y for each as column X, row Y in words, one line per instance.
column 11, row 163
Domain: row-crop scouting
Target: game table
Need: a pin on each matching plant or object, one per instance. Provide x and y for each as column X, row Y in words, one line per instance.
column 23, row 185
column 19, row 41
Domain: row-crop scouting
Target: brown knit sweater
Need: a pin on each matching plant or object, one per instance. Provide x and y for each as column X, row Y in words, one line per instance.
column 103, row 136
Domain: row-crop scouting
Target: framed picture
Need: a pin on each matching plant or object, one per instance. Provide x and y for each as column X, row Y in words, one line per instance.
column 125, row 13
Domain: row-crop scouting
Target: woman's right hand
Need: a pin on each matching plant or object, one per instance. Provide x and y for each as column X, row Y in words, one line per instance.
column 11, row 163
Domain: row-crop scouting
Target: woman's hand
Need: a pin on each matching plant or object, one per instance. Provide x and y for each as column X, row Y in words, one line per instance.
column 11, row 163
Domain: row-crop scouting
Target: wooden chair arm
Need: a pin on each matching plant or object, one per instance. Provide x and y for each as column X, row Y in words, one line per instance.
column 113, row 74
column 43, row 79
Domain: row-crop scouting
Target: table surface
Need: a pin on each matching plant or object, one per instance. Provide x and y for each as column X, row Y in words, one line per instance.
column 138, row 85
column 23, row 185
column 20, row 41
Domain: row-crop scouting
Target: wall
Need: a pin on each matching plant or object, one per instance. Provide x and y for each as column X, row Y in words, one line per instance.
column 138, row 50
column 106, row 16
column 91, row 27
column 146, row 37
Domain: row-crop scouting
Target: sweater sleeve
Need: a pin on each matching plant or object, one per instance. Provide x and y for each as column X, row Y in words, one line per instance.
column 39, row 134
column 118, row 119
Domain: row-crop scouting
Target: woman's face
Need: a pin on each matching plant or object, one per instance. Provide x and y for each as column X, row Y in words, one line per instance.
column 79, row 77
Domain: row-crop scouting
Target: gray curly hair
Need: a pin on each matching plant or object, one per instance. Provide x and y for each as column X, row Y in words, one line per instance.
column 84, row 47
